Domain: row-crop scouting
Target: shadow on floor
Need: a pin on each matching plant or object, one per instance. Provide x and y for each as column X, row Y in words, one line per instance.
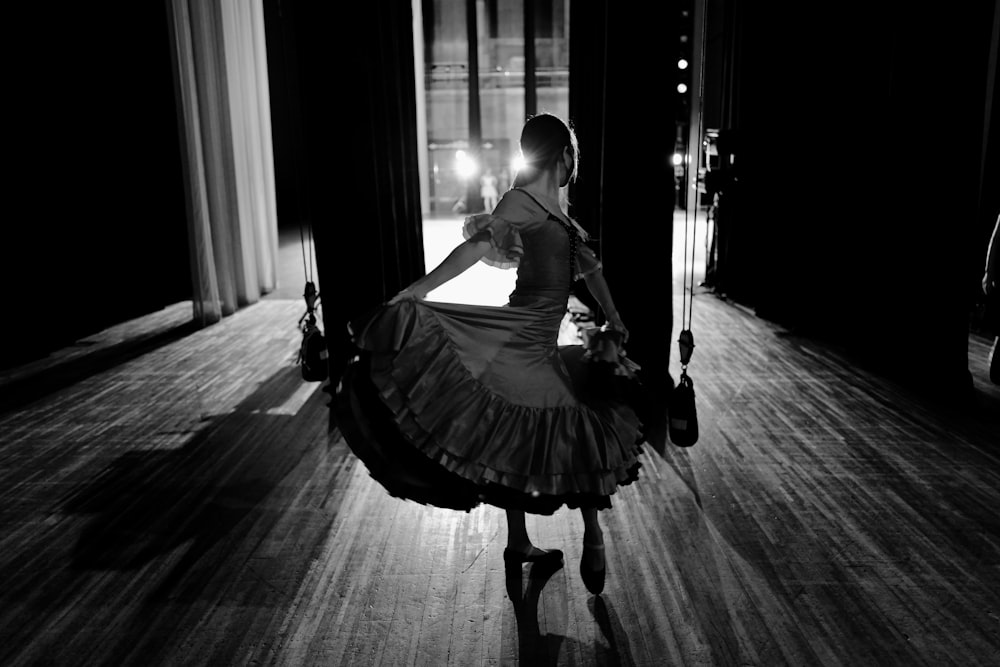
column 524, row 588
column 21, row 391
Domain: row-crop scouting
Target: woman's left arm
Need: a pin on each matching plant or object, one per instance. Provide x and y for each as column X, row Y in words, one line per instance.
column 456, row 263
column 598, row 287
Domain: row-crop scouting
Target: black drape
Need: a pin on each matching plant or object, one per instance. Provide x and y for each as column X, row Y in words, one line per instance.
column 857, row 210
column 356, row 96
column 96, row 234
column 622, row 105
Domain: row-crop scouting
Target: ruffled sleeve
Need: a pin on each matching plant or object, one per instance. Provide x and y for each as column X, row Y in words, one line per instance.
column 505, row 241
column 586, row 262
column 503, row 228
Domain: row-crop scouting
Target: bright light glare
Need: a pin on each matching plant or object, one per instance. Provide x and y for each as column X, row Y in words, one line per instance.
column 682, row 88
column 678, row 159
column 682, row 64
column 518, row 163
column 465, row 165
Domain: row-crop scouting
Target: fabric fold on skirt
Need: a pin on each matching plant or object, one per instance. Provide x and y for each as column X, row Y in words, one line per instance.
column 455, row 405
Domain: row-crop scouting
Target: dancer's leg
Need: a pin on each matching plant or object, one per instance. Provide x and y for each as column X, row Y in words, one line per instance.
column 592, row 536
column 517, row 532
column 518, row 541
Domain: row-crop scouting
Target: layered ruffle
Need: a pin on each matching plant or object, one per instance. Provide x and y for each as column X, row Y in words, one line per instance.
column 506, row 246
column 504, row 415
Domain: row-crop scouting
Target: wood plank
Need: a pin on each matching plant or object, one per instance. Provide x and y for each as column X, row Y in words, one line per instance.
column 191, row 507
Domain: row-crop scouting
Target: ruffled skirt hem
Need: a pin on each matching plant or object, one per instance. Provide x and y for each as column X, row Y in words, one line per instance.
column 429, row 431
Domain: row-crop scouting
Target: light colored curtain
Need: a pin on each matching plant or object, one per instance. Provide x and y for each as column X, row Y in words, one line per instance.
column 220, row 63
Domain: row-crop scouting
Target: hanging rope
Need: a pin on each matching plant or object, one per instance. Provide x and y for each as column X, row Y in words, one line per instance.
column 313, row 353
column 683, row 410
column 307, row 266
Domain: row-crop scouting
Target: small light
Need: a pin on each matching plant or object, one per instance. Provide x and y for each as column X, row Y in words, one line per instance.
column 518, row 163
column 682, row 64
column 682, row 88
column 465, row 165
column 678, row 159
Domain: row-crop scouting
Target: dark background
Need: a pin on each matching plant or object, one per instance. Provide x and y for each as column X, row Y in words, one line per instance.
column 98, row 219
column 860, row 211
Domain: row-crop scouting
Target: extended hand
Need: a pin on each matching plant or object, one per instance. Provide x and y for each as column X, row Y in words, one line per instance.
column 617, row 325
column 411, row 293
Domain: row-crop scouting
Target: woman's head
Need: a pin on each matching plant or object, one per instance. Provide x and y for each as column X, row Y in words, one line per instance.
column 545, row 142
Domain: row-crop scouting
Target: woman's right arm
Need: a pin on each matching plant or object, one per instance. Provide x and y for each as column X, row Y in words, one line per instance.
column 456, row 263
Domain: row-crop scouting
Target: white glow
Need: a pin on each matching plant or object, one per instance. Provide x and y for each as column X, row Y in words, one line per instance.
column 682, row 64
column 518, row 163
column 465, row 165
column 682, row 88
column 678, row 159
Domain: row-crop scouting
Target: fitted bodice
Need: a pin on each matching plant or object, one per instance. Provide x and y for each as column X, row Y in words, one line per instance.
column 531, row 233
column 543, row 273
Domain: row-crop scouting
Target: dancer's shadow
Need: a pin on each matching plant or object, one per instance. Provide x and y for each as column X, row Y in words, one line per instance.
column 200, row 498
column 533, row 648
column 617, row 651
column 536, row 648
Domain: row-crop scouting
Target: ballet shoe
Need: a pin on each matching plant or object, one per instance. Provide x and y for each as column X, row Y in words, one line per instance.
column 515, row 556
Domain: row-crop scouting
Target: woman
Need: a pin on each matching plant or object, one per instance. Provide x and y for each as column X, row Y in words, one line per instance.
column 455, row 405
column 990, row 289
column 488, row 190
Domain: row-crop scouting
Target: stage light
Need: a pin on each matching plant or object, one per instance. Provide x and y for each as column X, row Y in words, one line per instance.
column 465, row 165
column 682, row 64
column 682, row 88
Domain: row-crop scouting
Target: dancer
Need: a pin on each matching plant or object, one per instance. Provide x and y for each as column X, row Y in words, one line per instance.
column 488, row 190
column 455, row 405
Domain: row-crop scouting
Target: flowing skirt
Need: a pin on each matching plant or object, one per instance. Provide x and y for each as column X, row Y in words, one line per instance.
column 454, row 405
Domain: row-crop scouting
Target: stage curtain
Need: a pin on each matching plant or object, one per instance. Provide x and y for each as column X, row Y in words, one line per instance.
column 221, row 82
column 357, row 98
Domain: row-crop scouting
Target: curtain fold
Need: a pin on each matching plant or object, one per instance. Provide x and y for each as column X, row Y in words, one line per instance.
column 222, row 89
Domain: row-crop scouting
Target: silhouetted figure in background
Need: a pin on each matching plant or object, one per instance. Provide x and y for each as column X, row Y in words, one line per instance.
column 992, row 292
column 488, row 190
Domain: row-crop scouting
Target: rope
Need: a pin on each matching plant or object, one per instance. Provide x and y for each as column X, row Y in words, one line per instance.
column 686, row 339
column 701, row 116
column 307, row 265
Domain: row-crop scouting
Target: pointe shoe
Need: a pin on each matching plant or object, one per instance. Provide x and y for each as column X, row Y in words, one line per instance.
column 593, row 579
column 515, row 556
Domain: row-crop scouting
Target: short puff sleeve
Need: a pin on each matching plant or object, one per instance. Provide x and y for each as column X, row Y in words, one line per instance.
column 506, row 248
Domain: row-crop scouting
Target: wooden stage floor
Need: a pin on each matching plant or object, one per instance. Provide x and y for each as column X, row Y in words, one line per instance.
column 190, row 507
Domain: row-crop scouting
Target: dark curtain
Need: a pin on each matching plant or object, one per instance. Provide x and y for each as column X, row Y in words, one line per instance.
column 357, row 105
column 99, row 236
column 857, row 212
column 622, row 104
column 286, row 114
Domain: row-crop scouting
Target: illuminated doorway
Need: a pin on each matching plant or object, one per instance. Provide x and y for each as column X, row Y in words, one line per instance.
column 483, row 67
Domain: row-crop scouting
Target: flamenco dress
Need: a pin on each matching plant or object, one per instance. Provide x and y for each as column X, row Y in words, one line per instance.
column 455, row 405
